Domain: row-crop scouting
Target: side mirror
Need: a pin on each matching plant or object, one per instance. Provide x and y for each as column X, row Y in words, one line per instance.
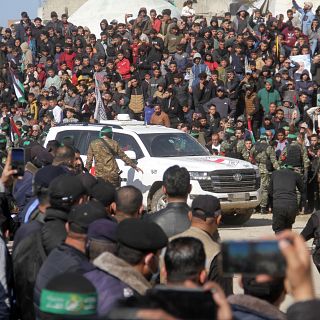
column 131, row 154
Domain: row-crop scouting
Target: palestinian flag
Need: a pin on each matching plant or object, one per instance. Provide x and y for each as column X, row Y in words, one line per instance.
column 18, row 86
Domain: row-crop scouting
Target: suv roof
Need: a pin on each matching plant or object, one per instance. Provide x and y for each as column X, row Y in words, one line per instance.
column 132, row 125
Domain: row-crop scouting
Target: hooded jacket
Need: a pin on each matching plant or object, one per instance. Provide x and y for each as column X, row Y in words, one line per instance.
column 239, row 24
column 115, row 279
column 305, row 86
column 266, row 97
column 196, row 70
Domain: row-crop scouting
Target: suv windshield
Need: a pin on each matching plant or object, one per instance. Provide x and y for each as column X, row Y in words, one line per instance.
column 172, row 145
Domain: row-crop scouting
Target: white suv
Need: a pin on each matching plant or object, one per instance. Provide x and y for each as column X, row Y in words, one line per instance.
column 235, row 182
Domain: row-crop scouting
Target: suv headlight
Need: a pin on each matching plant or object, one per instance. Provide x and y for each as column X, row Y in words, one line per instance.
column 196, row 175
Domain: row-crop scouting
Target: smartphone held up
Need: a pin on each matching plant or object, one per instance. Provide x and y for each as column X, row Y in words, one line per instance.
column 18, row 161
column 252, row 258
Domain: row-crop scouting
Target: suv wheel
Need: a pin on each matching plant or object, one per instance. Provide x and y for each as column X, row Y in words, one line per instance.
column 158, row 201
column 237, row 218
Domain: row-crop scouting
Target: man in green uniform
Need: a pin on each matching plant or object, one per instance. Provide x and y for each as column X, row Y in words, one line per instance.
column 265, row 158
column 296, row 153
column 104, row 152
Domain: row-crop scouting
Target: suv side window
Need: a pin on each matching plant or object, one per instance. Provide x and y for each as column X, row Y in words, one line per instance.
column 127, row 142
column 79, row 137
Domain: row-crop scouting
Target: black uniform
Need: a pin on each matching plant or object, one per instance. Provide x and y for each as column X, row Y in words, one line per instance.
column 282, row 189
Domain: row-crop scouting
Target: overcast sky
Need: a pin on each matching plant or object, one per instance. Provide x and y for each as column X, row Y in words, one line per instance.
column 12, row 9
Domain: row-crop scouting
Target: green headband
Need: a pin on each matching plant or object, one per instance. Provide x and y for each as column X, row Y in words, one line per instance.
column 68, row 303
column 292, row 136
column 106, row 130
column 231, row 131
column 26, row 143
column 286, row 128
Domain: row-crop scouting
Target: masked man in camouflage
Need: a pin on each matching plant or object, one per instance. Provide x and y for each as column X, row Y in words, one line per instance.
column 264, row 156
column 104, row 151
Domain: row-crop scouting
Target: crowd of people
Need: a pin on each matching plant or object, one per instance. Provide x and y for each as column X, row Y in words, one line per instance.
column 83, row 246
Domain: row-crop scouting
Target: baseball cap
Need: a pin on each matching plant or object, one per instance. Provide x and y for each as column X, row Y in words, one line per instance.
column 103, row 191
column 220, row 88
column 82, row 215
column 141, row 235
column 206, row 206
column 66, row 188
column 45, row 175
column 103, row 229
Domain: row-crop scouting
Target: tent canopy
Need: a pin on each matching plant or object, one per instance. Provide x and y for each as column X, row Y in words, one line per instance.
column 92, row 12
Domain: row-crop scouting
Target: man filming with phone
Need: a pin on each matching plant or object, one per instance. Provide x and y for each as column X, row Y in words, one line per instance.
column 104, row 152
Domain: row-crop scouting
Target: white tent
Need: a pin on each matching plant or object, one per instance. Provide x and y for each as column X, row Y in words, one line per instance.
column 92, row 12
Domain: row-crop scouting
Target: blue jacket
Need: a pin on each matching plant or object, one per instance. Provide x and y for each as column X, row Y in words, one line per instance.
column 306, row 17
column 115, row 279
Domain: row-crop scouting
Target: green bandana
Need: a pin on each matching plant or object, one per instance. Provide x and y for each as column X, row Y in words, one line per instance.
column 68, row 303
column 229, row 130
column 292, row 136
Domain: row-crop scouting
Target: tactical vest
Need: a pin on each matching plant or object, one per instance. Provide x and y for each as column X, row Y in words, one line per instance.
column 260, row 149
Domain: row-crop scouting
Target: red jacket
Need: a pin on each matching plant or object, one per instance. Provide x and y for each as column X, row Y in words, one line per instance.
column 68, row 58
column 123, row 67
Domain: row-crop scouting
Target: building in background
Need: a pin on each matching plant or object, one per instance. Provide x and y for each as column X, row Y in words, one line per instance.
column 60, row 6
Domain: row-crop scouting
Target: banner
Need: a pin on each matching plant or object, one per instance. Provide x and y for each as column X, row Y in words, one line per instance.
column 99, row 112
column 304, row 62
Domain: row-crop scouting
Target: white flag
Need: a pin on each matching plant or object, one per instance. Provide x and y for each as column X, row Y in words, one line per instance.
column 99, row 112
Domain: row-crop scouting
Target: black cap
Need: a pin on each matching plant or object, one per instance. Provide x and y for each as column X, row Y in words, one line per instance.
column 66, row 188
column 141, row 235
column 103, row 229
column 45, row 175
column 220, row 88
column 104, row 192
column 206, row 206
column 81, row 216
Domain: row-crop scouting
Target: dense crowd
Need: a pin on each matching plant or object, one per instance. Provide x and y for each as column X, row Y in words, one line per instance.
column 245, row 87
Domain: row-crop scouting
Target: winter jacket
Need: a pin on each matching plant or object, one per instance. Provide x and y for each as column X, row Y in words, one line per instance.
column 54, row 231
column 240, row 25
column 247, row 307
column 196, row 70
column 62, row 259
column 123, row 67
column 200, row 97
column 266, row 97
column 173, row 219
column 306, row 310
column 306, row 17
column 115, row 279
column 315, row 71
column 222, row 105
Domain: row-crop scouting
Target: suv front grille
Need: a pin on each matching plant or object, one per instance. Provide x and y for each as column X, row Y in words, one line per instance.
column 231, row 181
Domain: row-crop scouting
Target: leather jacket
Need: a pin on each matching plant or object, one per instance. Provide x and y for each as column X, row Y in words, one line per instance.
column 173, row 219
